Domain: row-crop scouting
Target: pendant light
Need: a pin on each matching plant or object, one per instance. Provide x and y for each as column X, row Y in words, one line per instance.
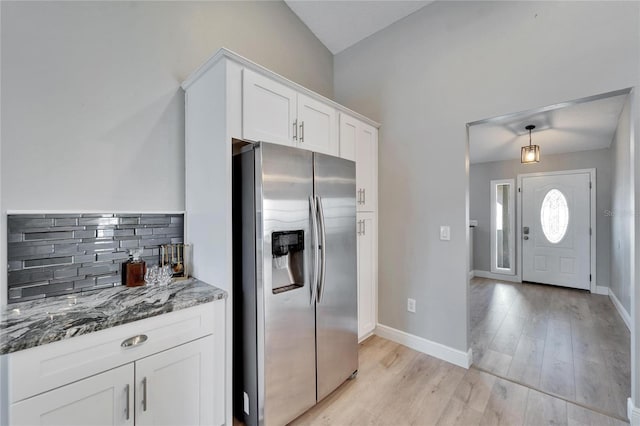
column 530, row 154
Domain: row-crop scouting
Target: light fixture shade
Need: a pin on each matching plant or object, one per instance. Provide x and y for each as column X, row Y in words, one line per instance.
column 530, row 154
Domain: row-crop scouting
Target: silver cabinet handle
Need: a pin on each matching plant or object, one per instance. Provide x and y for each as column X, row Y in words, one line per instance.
column 302, row 131
column 359, row 196
column 295, row 130
column 134, row 341
column 126, row 410
column 323, row 247
column 314, row 243
column 144, row 394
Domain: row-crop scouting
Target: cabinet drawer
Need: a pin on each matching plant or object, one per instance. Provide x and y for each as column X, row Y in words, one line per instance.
column 46, row 367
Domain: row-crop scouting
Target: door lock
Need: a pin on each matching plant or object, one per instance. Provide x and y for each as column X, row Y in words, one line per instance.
column 525, row 230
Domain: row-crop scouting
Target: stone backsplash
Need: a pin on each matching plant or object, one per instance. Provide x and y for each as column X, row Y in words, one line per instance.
column 54, row 254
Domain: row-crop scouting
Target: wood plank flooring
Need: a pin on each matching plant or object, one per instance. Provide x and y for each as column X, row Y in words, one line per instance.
column 399, row 386
column 566, row 342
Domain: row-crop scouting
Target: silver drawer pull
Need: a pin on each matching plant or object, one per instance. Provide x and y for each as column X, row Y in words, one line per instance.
column 134, row 341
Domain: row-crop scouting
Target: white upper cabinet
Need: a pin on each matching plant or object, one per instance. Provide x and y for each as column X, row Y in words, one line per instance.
column 359, row 142
column 273, row 112
column 269, row 110
column 348, row 133
column 367, row 167
column 317, row 127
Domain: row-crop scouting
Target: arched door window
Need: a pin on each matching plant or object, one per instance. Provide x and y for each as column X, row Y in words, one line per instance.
column 554, row 216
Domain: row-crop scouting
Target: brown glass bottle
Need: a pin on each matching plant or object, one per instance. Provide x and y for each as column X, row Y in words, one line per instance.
column 133, row 272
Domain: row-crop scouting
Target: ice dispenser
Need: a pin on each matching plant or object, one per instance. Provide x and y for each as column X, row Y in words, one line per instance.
column 287, row 248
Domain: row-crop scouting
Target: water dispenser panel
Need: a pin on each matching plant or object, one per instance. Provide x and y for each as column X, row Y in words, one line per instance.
column 287, row 265
column 283, row 243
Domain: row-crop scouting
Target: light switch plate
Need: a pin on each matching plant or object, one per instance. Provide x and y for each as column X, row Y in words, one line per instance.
column 411, row 305
column 445, row 233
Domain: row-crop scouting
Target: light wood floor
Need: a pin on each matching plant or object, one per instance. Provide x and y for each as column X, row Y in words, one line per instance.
column 399, row 386
column 567, row 342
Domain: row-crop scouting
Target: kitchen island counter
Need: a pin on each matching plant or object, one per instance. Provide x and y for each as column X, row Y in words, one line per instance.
column 34, row 323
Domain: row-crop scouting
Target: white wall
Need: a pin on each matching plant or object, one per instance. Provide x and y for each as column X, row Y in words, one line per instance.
column 622, row 210
column 426, row 76
column 92, row 111
column 480, row 176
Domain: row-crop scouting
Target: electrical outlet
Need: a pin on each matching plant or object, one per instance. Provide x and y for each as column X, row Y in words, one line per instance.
column 411, row 305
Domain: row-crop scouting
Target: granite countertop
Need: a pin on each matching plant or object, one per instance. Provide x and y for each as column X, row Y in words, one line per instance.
column 34, row 323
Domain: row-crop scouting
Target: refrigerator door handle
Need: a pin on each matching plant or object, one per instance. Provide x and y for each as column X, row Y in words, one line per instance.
column 314, row 244
column 323, row 238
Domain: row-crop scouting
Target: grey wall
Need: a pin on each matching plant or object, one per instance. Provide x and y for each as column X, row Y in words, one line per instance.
column 428, row 75
column 622, row 210
column 480, row 176
column 92, row 112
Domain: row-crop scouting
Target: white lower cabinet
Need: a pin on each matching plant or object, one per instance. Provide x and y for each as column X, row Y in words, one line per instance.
column 367, row 273
column 103, row 399
column 174, row 386
column 172, row 374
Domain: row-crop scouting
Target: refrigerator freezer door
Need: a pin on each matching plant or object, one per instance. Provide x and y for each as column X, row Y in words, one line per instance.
column 337, row 306
column 289, row 312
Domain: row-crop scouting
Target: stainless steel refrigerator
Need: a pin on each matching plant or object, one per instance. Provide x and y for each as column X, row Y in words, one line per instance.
column 295, row 290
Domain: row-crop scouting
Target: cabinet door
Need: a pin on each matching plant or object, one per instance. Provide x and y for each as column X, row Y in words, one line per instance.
column 317, row 129
column 367, row 275
column 268, row 110
column 367, row 167
column 348, row 134
column 103, row 399
column 175, row 387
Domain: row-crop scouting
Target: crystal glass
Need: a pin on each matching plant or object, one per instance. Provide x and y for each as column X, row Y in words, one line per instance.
column 152, row 275
column 165, row 275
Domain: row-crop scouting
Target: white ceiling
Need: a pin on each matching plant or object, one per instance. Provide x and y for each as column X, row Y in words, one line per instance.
column 339, row 24
column 569, row 128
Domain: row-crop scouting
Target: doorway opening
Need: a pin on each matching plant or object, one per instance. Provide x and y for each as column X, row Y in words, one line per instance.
column 549, row 297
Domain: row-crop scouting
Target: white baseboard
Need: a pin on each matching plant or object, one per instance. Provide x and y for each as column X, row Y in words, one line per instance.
column 501, row 277
column 600, row 289
column 621, row 310
column 420, row 344
column 633, row 413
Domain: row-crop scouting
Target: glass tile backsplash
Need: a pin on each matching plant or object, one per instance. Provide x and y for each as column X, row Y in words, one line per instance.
column 54, row 254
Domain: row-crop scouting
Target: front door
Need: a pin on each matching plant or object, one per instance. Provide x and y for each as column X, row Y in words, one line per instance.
column 556, row 229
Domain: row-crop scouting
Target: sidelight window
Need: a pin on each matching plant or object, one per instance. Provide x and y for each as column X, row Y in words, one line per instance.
column 502, row 227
